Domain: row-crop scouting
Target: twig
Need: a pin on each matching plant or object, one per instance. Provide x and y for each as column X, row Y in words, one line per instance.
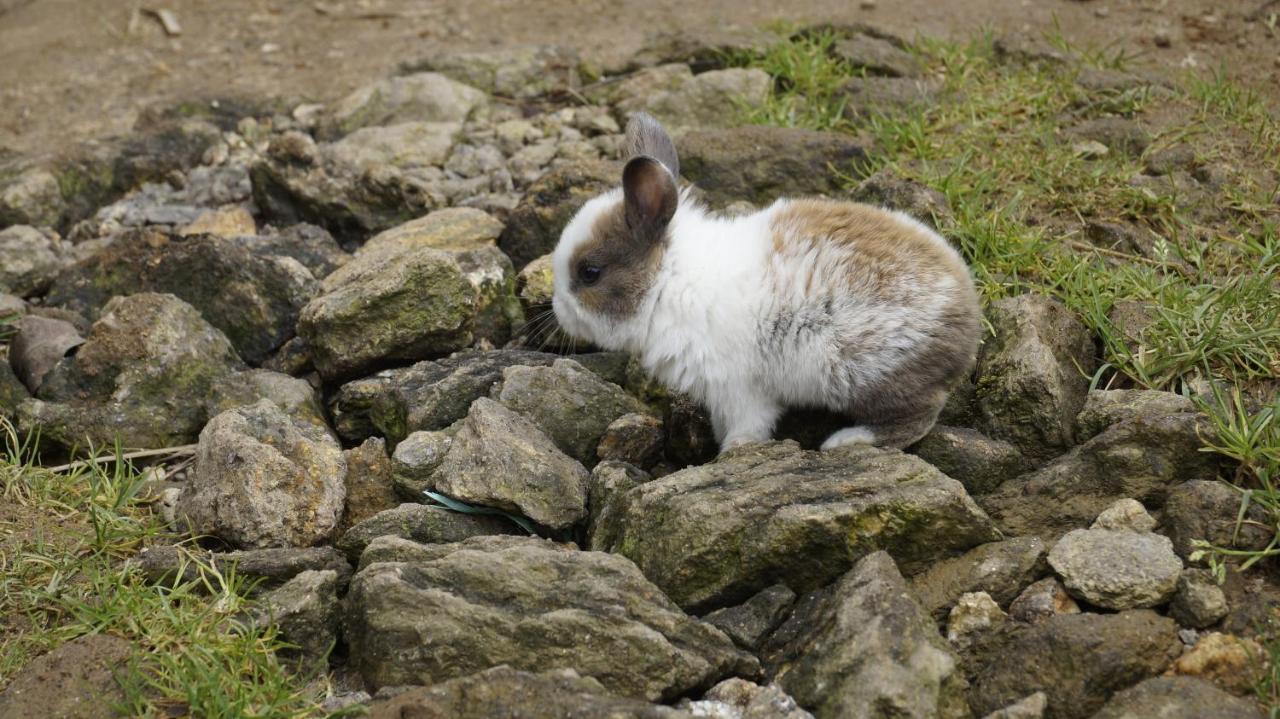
column 185, row 450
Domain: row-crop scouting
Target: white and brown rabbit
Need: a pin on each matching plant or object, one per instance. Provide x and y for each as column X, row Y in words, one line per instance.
column 808, row 303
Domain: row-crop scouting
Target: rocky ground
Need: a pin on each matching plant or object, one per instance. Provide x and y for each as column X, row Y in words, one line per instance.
column 329, row 324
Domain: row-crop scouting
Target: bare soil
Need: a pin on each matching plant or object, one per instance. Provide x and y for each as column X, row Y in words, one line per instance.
column 78, row 69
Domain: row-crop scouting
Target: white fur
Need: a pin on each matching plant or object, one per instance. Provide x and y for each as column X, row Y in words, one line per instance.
column 704, row 326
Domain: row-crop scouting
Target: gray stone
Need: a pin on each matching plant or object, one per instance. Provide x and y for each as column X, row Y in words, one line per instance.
column 138, row 378
column 634, row 438
column 888, row 189
column 37, row 345
column 1031, row 707
column 1104, row 408
column 533, row 229
column 313, row 247
column 866, row 96
column 1033, row 374
column 740, row 699
column 518, row 72
column 876, row 56
column 415, row 460
column 420, row 97
column 1126, row 514
column 1177, row 698
column 1001, row 569
column 1117, row 570
column 1198, row 602
column 609, row 478
column 1041, row 600
column 711, row 99
column 801, row 517
column 750, row 622
column 1208, row 511
column 1139, row 459
column 305, row 612
column 864, row 648
column 1116, row 133
column 488, row 601
column 419, row 523
column 295, row 397
column 1077, row 660
column 266, row 568
column 500, row 459
column 980, row 463
column 570, row 405
column 264, row 479
column 973, row 612
column 369, row 482
column 1167, row 160
column 759, row 164
column 29, row 260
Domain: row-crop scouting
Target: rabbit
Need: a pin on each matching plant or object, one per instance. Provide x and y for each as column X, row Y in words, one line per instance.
column 808, row 303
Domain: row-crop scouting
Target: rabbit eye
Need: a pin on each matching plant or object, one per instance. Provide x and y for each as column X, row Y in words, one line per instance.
column 589, row 274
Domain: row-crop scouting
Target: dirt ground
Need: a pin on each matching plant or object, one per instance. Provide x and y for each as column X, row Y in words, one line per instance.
column 77, row 69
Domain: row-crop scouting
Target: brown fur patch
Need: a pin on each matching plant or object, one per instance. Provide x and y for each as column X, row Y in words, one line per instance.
column 627, row 264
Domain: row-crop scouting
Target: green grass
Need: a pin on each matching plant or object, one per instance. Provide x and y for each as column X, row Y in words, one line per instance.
column 63, row 575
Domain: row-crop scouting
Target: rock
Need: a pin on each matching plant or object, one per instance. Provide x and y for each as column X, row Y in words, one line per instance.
column 227, row 222
column 998, row 569
column 572, row 406
column 29, row 260
column 1031, row 707
column 690, row 438
column 1167, row 160
column 759, row 164
column 77, row 680
column 265, row 568
column 866, row 96
column 716, row 98
column 12, row 393
column 864, row 648
column 313, row 247
column 1115, row 133
column 973, row 612
column 634, row 438
column 876, row 56
column 500, row 691
column 740, row 699
column 1104, row 408
column 1041, row 600
column 1033, row 374
column 600, row 617
column 607, row 479
column 255, row 300
column 1117, row 570
column 1126, row 514
column 137, row 378
column 368, row 482
column 264, row 479
column 305, row 610
column 420, row 97
column 1177, row 698
column 801, row 518
column 30, row 195
column 1077, row 660
column 1232, row 663
column 415, row 460
column 1208, row 510
column 1139, row 459
column 1198, row 601
column 750, row 622
column 405, row 299
column 419, row 523
column 1030, row 48
column 511, row 72
column 704, row 48
column 500, row 459
column 295, row 397
column 888, row 189
column 534, row 226
column 980, row 463
column 38, row 344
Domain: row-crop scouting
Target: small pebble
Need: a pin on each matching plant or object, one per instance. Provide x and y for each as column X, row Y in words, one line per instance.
column 1162, row 38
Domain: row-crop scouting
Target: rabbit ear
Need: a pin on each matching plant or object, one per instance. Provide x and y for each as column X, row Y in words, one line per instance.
column 646, row 137
column 649, row 198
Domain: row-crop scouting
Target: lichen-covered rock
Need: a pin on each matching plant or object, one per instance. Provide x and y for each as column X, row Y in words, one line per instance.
column 973, row 612
column 415, row 460
column 265, row 479
column 1041, row 600
column 420, row 523
column 1001, row 569
column 759, row 164
column 483, row 602
column 265, row 568
column 29, row 260
column 979, row 462
column 510, row 72
column 412, row 295
column 305, row 612
column 1106, row 407
column 800, row 517
column 138, row 377
column 1208, row 510
column 1078, row 660
column 1033, row 374
column 228, row 221
column 12, row 393
column 253, row 299
column 533, row 229
column 1198, row 601
column 750, row 622
column 296, row 397
column 420, row 97
column 1177, row 698
column 1137, row 459
column 863, row 648
column 569, row 404
column 370, row 488
column 684, row 100
column 633, row 438
column 500, row 459
column 503, row 691
column 607, row 479
column 1234, row 664
column 887, row 189
column 1125, row 514
column 1117, row 569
